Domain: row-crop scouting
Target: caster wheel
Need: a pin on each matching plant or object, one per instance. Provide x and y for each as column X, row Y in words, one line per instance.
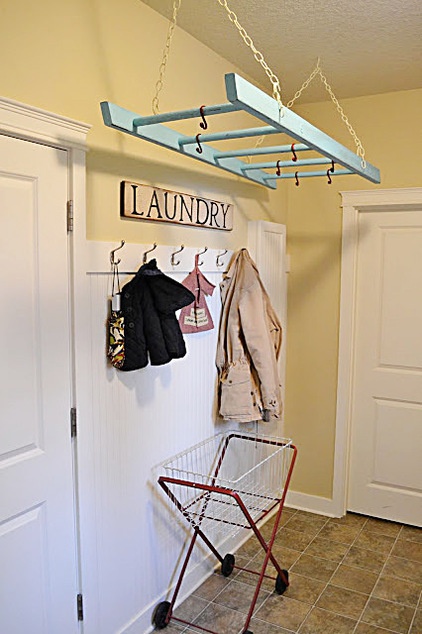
column 280, row 585
column 227, row 565
column 159, row 618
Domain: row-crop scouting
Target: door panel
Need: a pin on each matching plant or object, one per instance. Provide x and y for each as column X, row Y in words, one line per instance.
column 385, row 476
column 37, row 540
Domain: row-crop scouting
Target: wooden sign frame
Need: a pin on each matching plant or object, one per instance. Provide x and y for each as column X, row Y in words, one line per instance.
column 144, row 202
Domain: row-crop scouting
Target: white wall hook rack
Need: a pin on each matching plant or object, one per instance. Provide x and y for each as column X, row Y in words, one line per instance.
column 244, row 96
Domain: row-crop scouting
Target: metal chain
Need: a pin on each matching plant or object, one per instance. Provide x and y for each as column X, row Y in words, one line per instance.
column 257, row 54
column 360, row 151
column 162, row 70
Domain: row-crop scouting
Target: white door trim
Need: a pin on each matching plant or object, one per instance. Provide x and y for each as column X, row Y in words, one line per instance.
column 354, row 203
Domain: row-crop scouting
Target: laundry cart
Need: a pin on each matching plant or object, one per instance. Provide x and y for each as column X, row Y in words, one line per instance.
column 231, row 481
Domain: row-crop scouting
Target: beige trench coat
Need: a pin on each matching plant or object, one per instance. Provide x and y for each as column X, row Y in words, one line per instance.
column 248, row 347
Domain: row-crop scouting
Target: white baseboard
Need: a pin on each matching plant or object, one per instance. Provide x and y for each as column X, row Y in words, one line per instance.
column 312, row 503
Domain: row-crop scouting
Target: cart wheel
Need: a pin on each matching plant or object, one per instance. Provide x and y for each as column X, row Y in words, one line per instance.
column 159, row 618
column 280, row 585
column 227, row 565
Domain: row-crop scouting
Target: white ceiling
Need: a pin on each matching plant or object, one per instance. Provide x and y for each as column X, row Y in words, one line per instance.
column 365, row 47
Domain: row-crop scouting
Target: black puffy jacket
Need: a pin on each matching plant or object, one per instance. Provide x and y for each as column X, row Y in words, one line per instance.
column 152, row 333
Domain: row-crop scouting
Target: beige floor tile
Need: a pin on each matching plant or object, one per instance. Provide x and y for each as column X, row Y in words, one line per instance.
column 350, row 519
column 375, row 542
column 339, row 533
column 212, row 586
column 251, row 579
column 375, row 525
column 365, row 628
column 366, row 559
column 404, row 569
column 238, row 596
column 417, row 623
column 303, row 526
column 408, row 550
column 263, row 627
column 397, row 590
column 355, row 579
column 304, row 588
column 221, row 619
column 413, row 533
column 325, row 549
column 249, row 548
column 293, row 539
column 190, row 608
column 315, row 568
column 285, row 557
column 323, row 622
column 342, row 601
column 391, row 616
column 280, row 610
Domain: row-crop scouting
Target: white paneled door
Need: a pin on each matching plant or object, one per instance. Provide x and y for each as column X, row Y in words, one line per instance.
column 385, row 478
column 37, row 523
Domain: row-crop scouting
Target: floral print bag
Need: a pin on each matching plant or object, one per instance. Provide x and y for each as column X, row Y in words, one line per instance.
column 116, row 333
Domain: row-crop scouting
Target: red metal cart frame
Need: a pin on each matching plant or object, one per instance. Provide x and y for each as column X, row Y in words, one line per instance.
column 236, row 478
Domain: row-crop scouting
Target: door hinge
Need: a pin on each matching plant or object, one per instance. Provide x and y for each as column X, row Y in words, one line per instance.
column 73, row 426
column 69, row 208
column 80, row 607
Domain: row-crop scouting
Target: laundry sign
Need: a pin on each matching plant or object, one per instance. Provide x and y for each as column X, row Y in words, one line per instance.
column 143, row 202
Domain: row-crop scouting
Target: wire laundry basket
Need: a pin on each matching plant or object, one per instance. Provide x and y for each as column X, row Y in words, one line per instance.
column 253, row 467
column 232, row 480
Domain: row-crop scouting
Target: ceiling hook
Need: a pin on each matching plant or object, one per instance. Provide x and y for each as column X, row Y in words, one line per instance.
column 278, row 170
column 220, row 255
column 144, row 257
column 330, row 169
column 199, row 148
column 112, row 260
column 203, row 124
column 297, row 180
column 172, row 260
column 294, row 157
column 201, row 253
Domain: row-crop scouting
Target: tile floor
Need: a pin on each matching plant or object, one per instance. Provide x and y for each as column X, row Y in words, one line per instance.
column 354, row 575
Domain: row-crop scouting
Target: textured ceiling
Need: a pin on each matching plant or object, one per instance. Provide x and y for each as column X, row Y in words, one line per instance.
column 365, row 47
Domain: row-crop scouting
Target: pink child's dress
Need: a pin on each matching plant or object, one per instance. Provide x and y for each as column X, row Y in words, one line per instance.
column 196, row 317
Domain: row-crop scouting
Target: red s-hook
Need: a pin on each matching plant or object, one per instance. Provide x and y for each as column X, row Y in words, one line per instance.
column 203, row 124
column 330, row 169
column 278, row 170
column 294, row 157
column 297, row 180
column 199, row 148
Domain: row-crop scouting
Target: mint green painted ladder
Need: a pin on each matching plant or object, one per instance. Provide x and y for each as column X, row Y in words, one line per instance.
column 243, row 96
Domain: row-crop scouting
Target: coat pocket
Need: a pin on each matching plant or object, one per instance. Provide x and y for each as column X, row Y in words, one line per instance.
column 236, row 392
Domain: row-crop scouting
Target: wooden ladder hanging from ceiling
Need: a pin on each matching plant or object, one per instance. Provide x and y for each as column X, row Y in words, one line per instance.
column 244, row 96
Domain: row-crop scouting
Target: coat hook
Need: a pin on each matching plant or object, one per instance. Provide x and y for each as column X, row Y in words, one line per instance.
column 144, row 257
column 112, row 260
column 278, row 170
column 172, row 260
column 203, row 124
column 330, row 169
column 294, row 157
column 297, row 180
column 220, row 255
column 201, row 253
column 199, row 148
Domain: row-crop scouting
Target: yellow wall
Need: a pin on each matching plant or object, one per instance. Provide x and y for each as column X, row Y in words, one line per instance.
column 66, row 56
column 390, row 129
